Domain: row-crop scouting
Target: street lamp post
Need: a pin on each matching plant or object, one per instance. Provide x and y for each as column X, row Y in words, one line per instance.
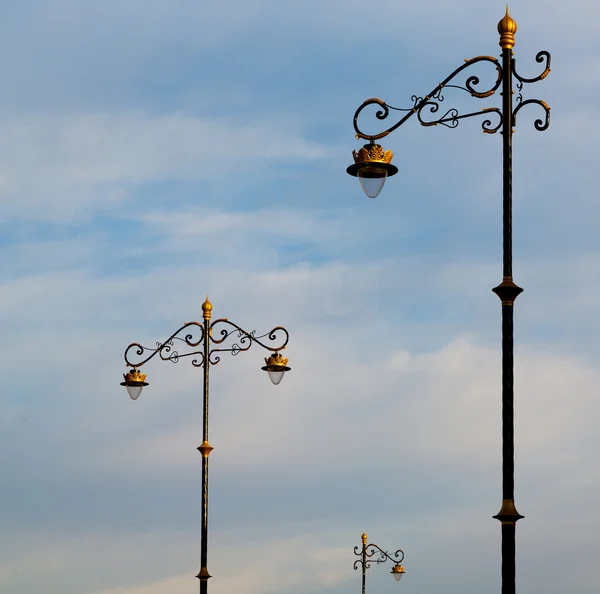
column 204, row 341
column 371, row 553
column 372, row 165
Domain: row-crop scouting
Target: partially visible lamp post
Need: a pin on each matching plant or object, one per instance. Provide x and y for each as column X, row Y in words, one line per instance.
column 371, row 553
column 203, row 341
column 372, row 165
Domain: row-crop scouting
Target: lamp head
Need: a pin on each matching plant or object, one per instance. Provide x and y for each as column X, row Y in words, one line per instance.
column 134, row 382
column 372, row 165
column 276, row 366
column 397, row 572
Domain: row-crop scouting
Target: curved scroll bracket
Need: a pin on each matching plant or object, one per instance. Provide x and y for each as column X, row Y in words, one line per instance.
column 190, row 334
column 275, row 340
column 542, row 57
column 538, row 124
column 433, row 99
column 375, row 554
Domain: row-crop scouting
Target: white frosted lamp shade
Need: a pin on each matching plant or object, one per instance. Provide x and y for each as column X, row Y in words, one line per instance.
column 276, row 376
column 134, row 391
column 372, row 179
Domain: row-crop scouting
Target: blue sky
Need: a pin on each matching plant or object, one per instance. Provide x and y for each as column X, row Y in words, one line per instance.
column 154, row 152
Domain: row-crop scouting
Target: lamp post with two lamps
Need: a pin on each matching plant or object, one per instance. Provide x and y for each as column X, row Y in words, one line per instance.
column 372, row 165
column 204, row 341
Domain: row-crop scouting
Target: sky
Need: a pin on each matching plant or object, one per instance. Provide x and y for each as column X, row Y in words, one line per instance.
column 155, row 152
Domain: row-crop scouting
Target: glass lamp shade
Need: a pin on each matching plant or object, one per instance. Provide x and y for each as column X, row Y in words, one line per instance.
column 275, row 376
column 397, row 572
column 134, row 391
column 372, row 179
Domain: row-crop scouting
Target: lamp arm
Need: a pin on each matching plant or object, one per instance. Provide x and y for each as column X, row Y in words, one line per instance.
column 433, row 99
column 246, row 339
column 370, row 551
column 373, row 549
column 166, row 349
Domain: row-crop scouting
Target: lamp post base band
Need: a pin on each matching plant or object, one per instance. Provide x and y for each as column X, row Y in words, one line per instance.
column 203, row 575
column 508, row 513
column 507, row 290
column 205, row 449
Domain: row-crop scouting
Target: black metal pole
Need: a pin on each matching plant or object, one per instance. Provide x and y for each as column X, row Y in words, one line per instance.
column 205, row 449
column 364, row 562
column 507, row 291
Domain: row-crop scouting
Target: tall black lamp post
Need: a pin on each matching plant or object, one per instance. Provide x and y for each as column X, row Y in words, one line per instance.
column 203, row 341
column 372, row 553
column 372, row 165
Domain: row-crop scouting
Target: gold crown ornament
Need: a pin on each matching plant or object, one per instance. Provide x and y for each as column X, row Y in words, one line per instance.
column 134, row 378
column 372, row 155
column 276, row 363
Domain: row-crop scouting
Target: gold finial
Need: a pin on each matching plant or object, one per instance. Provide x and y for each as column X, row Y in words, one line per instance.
column 206, row 309
column 507, row 28
column 364, row 538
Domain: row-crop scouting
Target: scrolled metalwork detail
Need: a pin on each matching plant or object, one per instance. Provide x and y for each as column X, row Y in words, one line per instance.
column 540, row 58
column 538, row 124
column 245, row 339
column 217, row 335
column 432, row 100
column 165, row 350
column 372, row 553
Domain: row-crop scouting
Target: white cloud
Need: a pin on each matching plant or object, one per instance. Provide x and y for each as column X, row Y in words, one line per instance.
column 55, row 167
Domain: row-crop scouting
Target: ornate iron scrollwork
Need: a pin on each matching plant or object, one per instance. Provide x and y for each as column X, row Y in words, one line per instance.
column 375, row 554
column 187, row 335
column 430, row 104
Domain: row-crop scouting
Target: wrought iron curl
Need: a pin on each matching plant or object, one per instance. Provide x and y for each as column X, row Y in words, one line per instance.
column 520, row 89
column 165, row 349
column 213, row 360
column 372, row 550
column 198, row 362
column 246, row 339
column 432, row 99
column 538, row 124
column 541, row 57
column 382, row 113
column 487, row 126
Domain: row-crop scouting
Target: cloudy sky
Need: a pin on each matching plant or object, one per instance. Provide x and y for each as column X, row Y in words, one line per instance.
column 153, row 152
